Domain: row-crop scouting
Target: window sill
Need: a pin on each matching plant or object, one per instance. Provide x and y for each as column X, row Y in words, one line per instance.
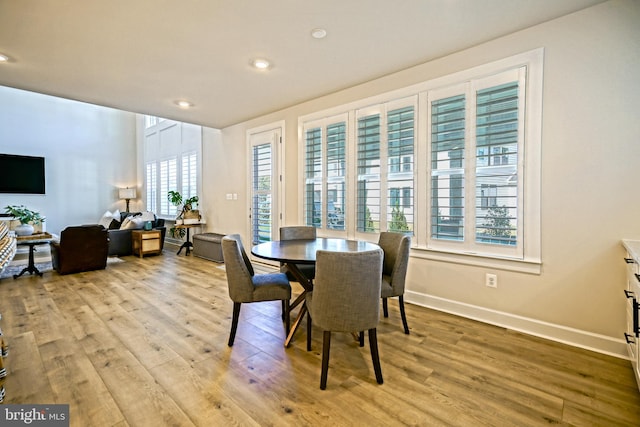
column 529, row 266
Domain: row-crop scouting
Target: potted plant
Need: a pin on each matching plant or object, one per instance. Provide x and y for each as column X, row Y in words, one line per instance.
column 26, row 217
column 175, row 198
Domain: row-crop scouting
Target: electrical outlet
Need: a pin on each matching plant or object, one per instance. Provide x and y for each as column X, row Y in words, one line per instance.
column 491, row 280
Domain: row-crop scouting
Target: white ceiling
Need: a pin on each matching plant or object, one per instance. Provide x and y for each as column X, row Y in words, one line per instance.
column 142, row 55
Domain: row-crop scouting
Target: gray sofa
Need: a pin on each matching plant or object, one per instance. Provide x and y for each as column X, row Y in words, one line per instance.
column 120, row 240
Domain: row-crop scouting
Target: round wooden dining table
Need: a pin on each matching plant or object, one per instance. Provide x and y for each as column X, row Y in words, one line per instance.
column 294, row 252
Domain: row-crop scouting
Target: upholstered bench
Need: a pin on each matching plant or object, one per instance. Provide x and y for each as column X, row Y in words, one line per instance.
column 208, row 246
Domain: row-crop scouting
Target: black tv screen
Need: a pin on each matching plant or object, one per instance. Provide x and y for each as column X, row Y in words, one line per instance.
column 22, row 174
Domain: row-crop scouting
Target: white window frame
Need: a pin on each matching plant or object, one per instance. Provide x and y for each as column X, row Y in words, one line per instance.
column 349, row 204
column 170, row 142
column 469, row 245
column 272, row 134
column 529, row 258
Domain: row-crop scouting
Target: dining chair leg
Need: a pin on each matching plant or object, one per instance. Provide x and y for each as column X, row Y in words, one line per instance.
column 287, row 317
column 375, row 357
column 403, row 315
column 283, row 310
column 385, row 309
column 234, row 322
column 326, row 344
column 308, row 331
column 361, row 338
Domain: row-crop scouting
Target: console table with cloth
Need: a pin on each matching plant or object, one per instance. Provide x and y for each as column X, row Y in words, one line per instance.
column 294, row 252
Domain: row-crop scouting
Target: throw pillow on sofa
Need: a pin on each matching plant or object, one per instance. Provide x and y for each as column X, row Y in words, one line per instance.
column 146, row 216
column 108, row 218
column 135, row 223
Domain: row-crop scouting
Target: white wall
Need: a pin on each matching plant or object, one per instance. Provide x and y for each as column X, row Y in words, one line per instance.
column 89, row 152
column 590, row 176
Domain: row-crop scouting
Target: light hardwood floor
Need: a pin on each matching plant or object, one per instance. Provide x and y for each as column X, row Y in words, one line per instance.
column 144, row 343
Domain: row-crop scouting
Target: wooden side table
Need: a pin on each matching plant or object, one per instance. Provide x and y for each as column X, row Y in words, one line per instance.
column 145, row 242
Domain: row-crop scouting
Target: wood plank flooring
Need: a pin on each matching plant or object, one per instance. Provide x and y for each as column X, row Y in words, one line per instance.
column 144, row 343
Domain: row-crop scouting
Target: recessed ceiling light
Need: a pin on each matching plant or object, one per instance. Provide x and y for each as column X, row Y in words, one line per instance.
column 318, row 33
column 260, row 63
column 184, row 104
column 4, row 58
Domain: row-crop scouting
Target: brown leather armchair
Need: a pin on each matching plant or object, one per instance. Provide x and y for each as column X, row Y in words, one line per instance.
column 81, row 248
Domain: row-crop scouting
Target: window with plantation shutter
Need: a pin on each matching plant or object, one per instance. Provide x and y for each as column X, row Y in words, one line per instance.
column 325, row 170
column 266, row 195
column 313, row 181
column 381, row 170
column 497, row 136
column 152, row 186
column 336, row 174
column 168, row 182
column 368, row 189
column 455, row 162
column 189, row 175
column 262, row 208
column 400, row 147
column 476, row 137
column 447, row 168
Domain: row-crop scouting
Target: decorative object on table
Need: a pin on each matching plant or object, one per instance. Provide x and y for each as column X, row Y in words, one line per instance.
column 127, row 194
column 394, row 270
column 345, row 298
column 187, row 214
column 245, row 286
column 27, row 219
column 191, row 215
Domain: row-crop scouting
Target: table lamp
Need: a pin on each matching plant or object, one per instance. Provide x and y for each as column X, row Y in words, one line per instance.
column 127, row 194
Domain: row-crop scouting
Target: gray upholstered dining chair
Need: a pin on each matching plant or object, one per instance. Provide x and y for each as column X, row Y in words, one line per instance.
column 245, row 286
column 299, row 232
column 346, row 298
column 396, row 259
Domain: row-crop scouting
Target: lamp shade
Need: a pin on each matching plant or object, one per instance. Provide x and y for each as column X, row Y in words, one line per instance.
column 127, row 193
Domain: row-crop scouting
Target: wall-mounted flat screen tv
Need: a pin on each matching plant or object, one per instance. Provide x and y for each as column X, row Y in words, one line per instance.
column 22, row 174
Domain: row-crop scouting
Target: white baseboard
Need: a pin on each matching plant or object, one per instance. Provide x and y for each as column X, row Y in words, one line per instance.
column 574, row 337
